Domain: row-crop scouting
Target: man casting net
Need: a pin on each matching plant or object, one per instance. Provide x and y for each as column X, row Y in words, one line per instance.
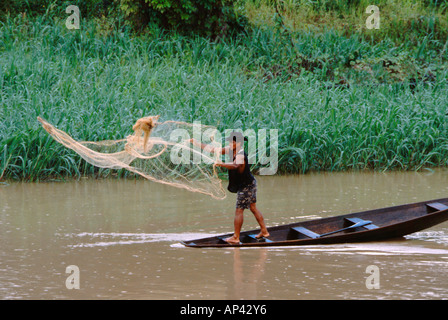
column 160, row 152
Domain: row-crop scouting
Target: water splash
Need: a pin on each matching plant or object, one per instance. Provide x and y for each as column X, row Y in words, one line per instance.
column 439, row 237
column 101, row 239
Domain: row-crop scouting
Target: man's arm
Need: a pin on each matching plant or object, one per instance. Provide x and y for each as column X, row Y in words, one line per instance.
column 203, row 146
column 237, row 164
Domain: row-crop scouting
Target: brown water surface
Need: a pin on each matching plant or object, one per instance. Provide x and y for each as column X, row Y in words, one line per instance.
column 124, row 235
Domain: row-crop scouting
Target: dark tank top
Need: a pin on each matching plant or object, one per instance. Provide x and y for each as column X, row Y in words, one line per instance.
column 237, row 180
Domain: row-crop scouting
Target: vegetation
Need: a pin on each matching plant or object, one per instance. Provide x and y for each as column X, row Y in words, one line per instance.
column 341, row 97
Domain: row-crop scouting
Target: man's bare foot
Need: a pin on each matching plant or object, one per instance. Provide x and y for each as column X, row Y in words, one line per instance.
column 232, row 240
column 262, row 235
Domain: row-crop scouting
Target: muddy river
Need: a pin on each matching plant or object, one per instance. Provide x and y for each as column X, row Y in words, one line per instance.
column 120, row 239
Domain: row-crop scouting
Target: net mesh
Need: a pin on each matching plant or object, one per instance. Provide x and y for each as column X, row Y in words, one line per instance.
column 160, row 152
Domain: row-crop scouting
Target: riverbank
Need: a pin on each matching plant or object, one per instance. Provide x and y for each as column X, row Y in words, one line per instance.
column 339, row 102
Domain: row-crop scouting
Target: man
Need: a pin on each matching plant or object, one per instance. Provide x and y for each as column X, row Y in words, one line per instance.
column 241, row 182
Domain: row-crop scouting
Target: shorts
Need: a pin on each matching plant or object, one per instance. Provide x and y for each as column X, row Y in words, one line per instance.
column 247, row 195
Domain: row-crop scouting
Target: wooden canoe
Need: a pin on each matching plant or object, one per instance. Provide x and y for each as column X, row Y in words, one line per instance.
column 372, row 225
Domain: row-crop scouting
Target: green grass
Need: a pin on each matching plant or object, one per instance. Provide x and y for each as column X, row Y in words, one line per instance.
column 346, row 104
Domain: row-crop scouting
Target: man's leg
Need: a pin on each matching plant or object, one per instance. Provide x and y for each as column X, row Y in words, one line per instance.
column 264, row 231
column 237, row 223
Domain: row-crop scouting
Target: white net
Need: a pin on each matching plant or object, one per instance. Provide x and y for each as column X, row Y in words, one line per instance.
column 160, row 152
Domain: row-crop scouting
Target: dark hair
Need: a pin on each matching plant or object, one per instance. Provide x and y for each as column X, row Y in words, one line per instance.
column 236, row 136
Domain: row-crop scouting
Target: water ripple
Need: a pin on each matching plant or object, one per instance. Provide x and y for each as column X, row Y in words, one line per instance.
column 100, row 239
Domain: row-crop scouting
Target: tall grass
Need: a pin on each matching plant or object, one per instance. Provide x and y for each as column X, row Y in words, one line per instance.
column 404, row 22
column 94, row 85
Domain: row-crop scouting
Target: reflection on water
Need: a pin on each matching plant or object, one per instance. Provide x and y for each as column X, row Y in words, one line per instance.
column 124, row 236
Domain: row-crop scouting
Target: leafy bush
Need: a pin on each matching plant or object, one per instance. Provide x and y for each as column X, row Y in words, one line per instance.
column 204, row 17
column 208, row 17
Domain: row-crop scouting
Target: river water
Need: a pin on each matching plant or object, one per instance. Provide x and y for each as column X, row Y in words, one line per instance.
column 123, row 236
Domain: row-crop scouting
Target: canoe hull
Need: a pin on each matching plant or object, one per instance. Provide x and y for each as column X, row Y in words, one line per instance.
column 386, row 223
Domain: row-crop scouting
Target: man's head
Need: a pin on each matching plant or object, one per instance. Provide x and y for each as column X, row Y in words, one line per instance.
column 236, row 140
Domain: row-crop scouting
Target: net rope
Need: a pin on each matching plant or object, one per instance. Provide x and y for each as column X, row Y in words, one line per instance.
column 158, row 151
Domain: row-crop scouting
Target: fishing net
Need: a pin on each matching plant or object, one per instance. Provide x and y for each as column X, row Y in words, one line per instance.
column 160, row 152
